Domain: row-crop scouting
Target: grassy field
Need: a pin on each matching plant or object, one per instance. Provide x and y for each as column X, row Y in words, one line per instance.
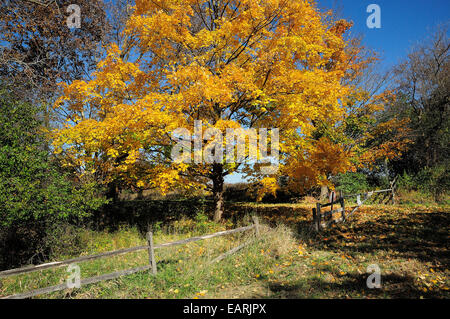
column 288, row 260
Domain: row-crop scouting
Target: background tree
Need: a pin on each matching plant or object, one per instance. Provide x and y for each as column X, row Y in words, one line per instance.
column 422, row 88
column 38, row 50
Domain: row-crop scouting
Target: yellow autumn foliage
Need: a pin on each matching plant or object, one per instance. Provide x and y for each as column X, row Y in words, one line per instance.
column 249, row 64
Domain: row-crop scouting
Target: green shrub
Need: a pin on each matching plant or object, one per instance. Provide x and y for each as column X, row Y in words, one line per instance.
column 32, row 186
column 201, row 224
column 428, row 185
column 35, row 192
column 434, row 180
column 351, row 183
column 406, row 182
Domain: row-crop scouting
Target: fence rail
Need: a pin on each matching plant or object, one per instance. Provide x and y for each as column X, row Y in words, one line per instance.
column 372, row 192
column 150, row 247
column 319, row 215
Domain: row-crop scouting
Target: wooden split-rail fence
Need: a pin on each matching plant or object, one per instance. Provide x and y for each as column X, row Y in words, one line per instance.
column 150, row 247
column 324, row 218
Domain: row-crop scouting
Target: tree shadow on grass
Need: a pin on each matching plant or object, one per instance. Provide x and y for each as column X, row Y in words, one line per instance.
column 423, row 236
column 144, row 214
column 351, row 285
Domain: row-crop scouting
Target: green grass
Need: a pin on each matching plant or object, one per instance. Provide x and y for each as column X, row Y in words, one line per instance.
column 410, row 245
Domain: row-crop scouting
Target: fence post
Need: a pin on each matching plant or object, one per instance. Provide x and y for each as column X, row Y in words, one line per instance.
column 343, row 208
column 256, row 222
column 315, row 219
column 393, row 189
column 393, row 197
column 318, row 216
column 332, row 199
column 151, row 252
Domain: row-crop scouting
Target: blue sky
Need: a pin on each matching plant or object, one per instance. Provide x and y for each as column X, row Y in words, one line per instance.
column 403, row 24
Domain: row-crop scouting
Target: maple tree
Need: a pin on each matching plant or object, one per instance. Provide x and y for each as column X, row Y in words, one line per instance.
column 230, row 64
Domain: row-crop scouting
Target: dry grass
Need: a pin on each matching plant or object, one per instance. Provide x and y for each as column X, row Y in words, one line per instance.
column 289, row 260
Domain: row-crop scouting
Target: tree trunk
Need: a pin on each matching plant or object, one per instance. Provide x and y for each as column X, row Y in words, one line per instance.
column 112, row 192
column 323, row 192
column 217, row 179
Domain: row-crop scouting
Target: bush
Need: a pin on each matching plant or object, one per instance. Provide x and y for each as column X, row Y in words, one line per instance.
column 200, row 225
column 34, row 191
column 406, row 182
column 435, row 181
column 351, row 183
column 32, row 186
column 430, row 183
